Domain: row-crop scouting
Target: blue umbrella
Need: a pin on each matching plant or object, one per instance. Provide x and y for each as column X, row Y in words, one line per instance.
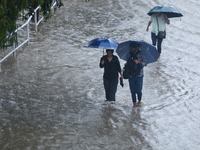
column 150, row 51
column 170, row 11
column 102, row 43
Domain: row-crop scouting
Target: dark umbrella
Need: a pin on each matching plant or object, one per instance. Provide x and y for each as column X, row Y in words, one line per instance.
column 150, row 51
column 170, row 11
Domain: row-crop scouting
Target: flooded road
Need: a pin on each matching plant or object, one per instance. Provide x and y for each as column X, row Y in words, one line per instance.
column 51, row 94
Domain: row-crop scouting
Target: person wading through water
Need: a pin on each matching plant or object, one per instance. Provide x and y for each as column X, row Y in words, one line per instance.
column 136, row 57
column 157, row 22
column 111, row 66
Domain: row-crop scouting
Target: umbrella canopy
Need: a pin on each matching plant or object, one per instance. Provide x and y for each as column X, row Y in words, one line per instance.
column 102, row 43
column 170, row 11
column 150, row 51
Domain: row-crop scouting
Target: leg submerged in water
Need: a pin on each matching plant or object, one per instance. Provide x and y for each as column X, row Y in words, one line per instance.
column 113, row 89
column 107, row 88
column 132, row 85
column 153, row 38
column 136, row 84
column 159, row 46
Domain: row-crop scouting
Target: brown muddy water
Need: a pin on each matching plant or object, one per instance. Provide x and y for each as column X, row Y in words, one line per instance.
column 51, row 94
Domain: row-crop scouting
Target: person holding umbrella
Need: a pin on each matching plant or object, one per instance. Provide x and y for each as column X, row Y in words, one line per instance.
column 159, row 17
column 111, row 66
column 136, row 80
column 157, row 22
column 137, row 54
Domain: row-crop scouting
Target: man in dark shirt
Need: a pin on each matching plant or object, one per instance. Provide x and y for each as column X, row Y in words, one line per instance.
column 136, row 81
column 111, row 66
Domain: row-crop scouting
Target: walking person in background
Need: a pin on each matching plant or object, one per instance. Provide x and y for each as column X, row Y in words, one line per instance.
column 136, row 62
column 157, row 22
column 111, row 66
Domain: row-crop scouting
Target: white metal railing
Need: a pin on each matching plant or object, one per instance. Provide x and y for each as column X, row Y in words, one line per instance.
column 37, row 23
column 27, row 31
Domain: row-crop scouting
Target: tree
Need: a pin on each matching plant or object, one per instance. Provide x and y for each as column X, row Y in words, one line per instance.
column 9, row 13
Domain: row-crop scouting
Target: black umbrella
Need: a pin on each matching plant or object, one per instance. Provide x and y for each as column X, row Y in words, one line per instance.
column 170, row 11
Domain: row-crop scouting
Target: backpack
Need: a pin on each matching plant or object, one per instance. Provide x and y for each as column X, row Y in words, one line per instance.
column 131, row 68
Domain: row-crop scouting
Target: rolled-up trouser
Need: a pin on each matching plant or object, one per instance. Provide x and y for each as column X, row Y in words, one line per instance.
column 135, row 84
column 154, row 39
column 110, row 86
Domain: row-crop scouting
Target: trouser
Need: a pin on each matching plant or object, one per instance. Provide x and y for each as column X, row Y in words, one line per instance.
column 135, row 84
column 155, row 39
column 110, row 86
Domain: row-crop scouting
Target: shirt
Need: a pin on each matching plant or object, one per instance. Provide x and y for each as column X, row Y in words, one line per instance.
column 141, row 57
column 154, row 24
column 111, row 68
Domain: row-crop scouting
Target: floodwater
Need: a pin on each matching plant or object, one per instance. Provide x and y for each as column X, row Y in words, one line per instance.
column 51, row 94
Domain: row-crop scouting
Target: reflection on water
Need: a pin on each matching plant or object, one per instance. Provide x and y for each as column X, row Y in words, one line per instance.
column 52, row 93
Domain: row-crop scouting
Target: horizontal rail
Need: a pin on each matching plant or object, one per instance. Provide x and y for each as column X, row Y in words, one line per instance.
column 13, row 51
column 43, row 16
column 21, row 26
column 40, row 21
column 24, row 24
column 36, row 8
column 53, row 5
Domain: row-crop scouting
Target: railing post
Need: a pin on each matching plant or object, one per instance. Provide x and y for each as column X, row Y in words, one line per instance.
column 14, row 53
column 52, row 5
column 27, row 31
column 16, row 44
column 36, row 20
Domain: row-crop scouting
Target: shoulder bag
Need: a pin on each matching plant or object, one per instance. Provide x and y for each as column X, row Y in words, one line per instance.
column 161, row 34
column 131, row 68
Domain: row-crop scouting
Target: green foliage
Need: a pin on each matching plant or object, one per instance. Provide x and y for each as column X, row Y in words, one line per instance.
column 9, row 13
column 46, row 7
column 8, row 16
